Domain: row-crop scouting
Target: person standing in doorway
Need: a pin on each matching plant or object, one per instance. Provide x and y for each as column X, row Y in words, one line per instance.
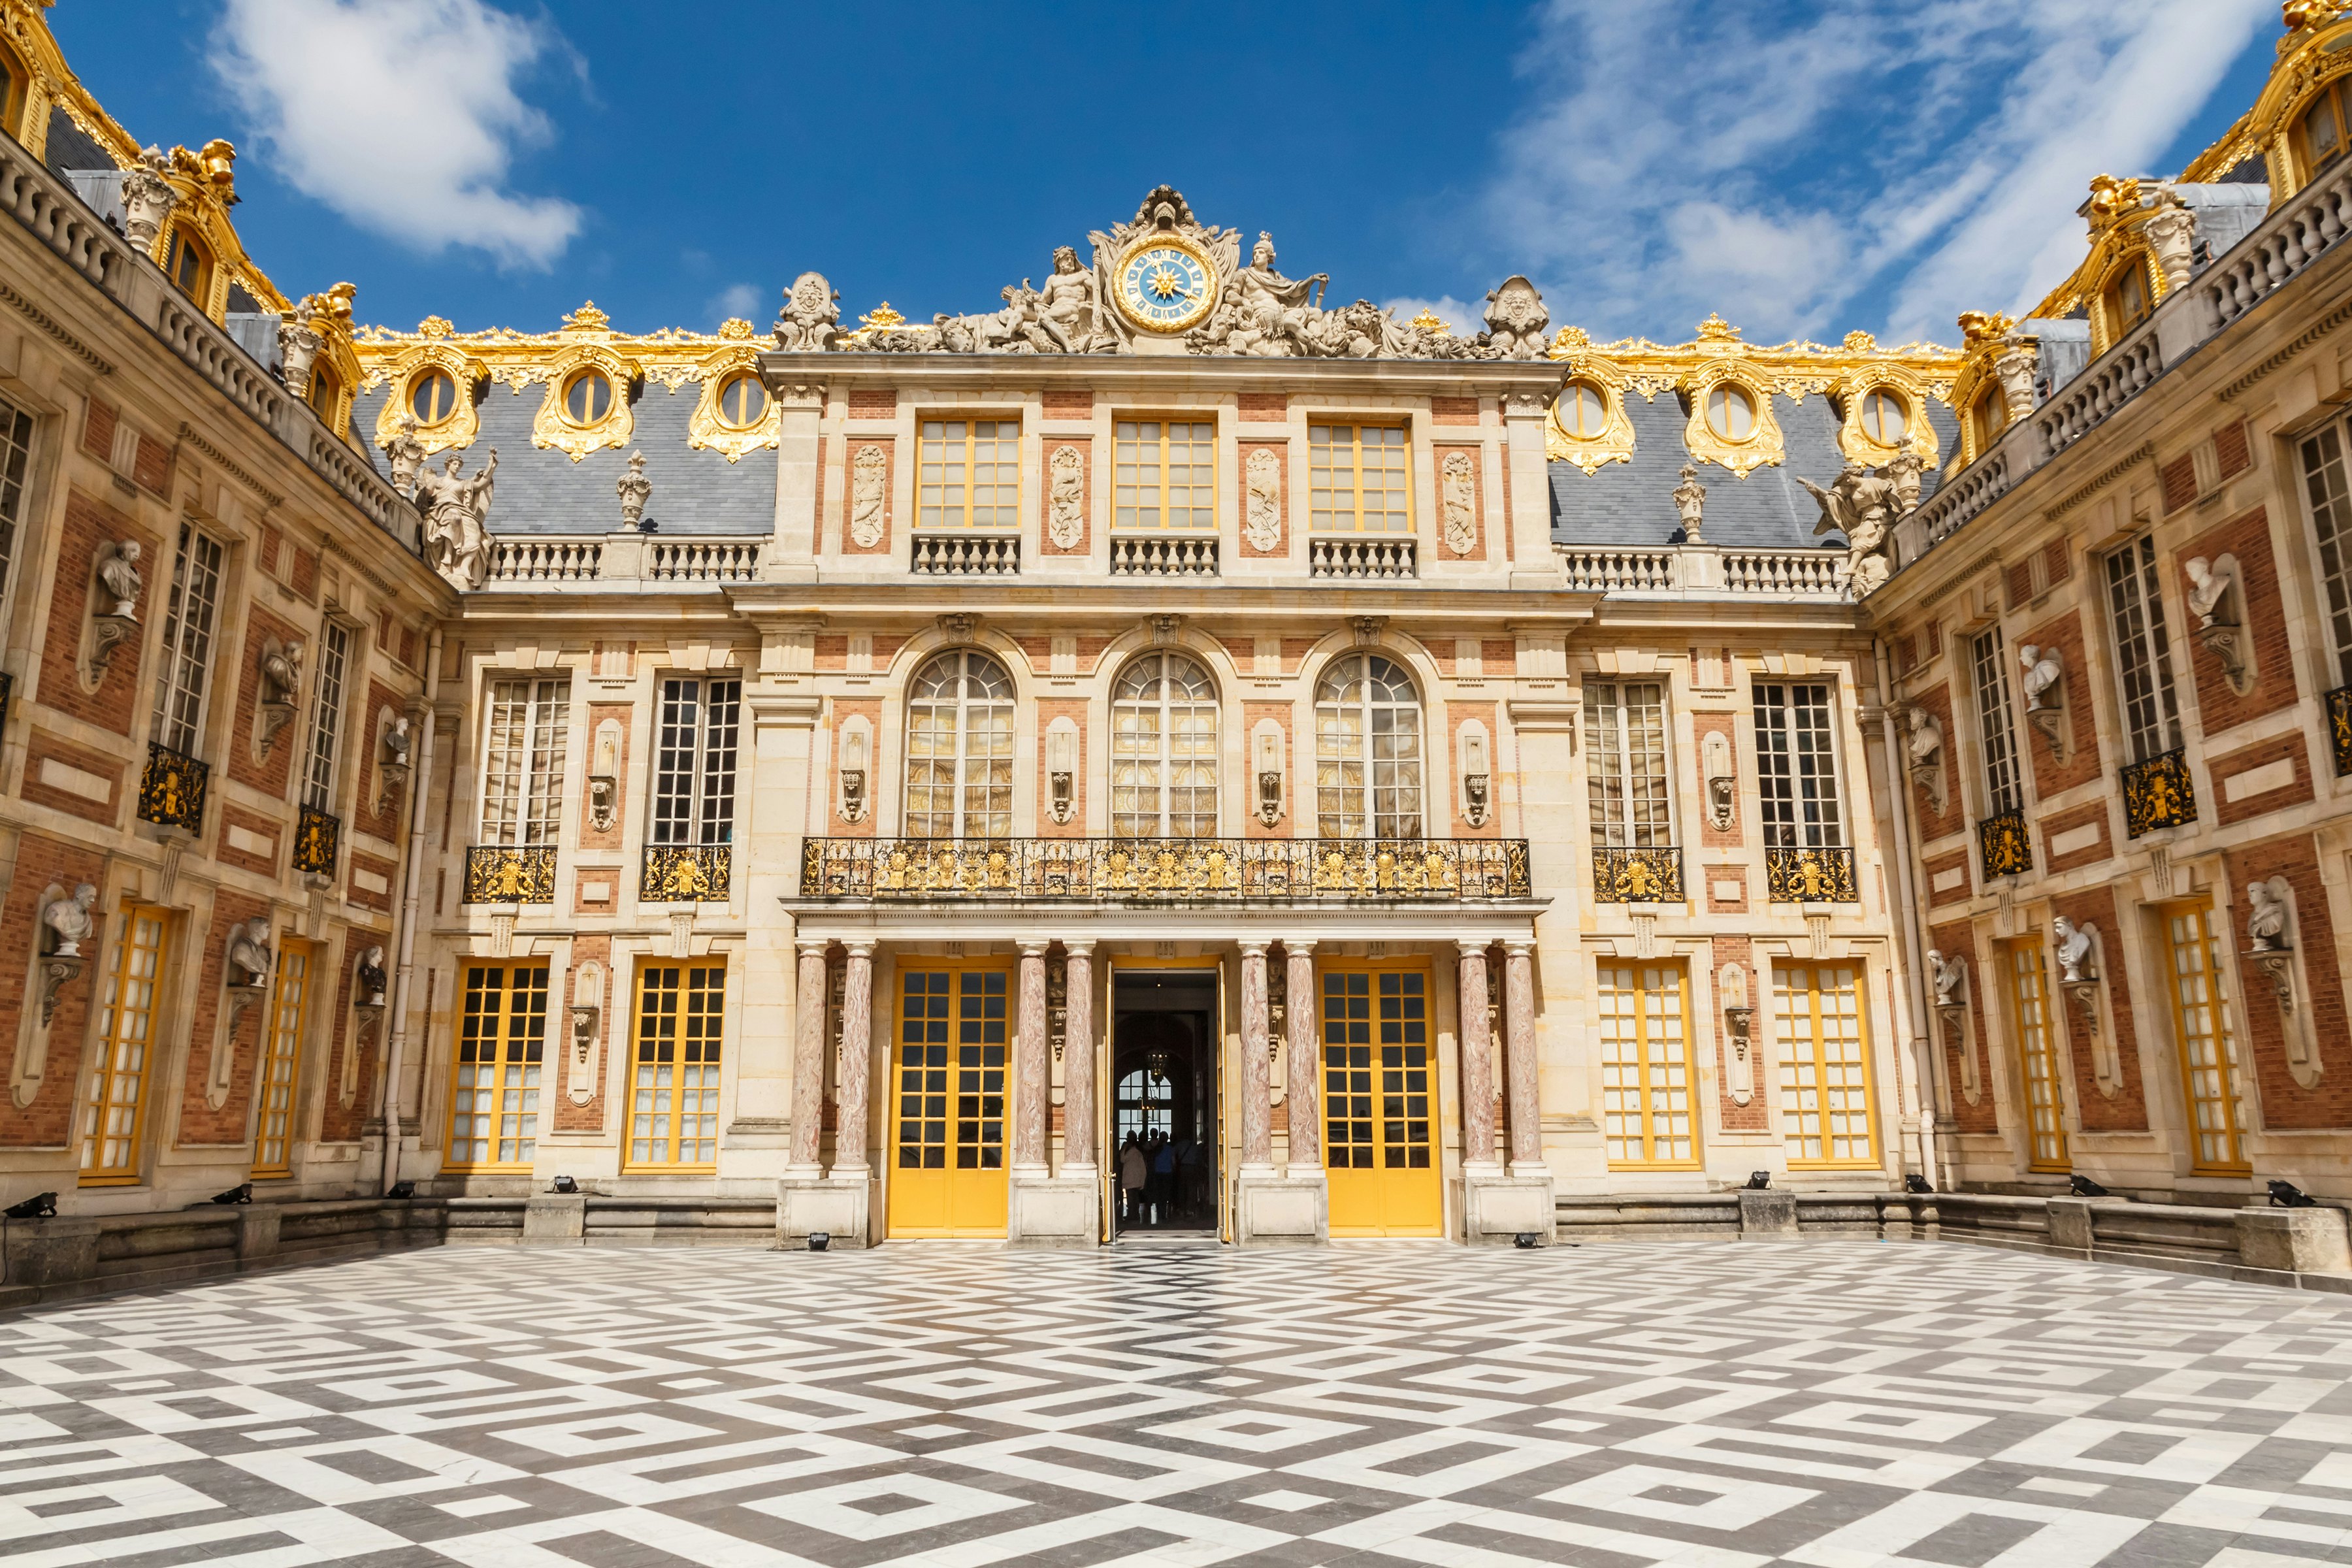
column 1164, row 1182
column 1134, row 1171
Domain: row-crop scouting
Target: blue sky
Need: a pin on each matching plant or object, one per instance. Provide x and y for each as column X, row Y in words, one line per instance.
column 1809, row 166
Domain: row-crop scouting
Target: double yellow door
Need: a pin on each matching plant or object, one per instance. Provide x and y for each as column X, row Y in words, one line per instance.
column 1380, row 1099
column 949, row 1086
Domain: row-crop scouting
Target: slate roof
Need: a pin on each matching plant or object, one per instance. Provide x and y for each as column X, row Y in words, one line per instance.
column 542, row 491
column 1633, row 504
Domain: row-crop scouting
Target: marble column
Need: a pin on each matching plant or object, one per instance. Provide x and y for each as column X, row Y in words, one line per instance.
column 1520, row 1058
column 1079, row 1060
column 1304, row 1093
column 808, row 1063
column 856, row 1050
column 1477, row 1060
column 1033, row 1084
column 1257, row 1111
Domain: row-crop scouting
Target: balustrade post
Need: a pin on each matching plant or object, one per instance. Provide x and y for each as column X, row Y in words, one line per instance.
column 1477, row 1059
column 857, row 1048
column 1257, row 1113
column 1032, row 1082
column 1302, row 1096
column 1520, row 1058
column 1079, row 1060
column 808, row 1063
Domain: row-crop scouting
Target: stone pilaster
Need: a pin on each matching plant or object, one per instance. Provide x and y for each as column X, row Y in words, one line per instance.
column 1520, row 1058
column 1303, row 1094
column 1031, row 1078
column 1477, row 1061
column 857, row 1048
column 1257, row 1111
column 1042, row 1209
column 1078, row 1061
column 1498, row 1208
column 808, row 1063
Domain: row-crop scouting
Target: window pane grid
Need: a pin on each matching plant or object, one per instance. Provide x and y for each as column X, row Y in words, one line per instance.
column 1368, row 777
column 1164, row 750
column 15, row 467
column 968, row 474
column 1824, row 1068
column 1993, row 724
column 1645, row 1067
column 114, row 1105
column 2211, row 1074
column 1626, row 779
column 1356, row 481
column 2038, row 1049
column 1376, row 1069
column 494, row 1101
column 2142, row 652
column 281, row 1056
column 1797, row 768
column 188, row 641
column 1165, row 476
column 960, row 749
column 326, row 718
column 674, row 1104
column 522, row 770
column 2331, row 519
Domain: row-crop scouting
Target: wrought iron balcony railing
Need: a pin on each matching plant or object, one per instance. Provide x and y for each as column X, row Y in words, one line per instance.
column 1165, row 870
column 2002, row 847
column 685, row 873
column 1647, row 874
column 2158, row 793
column 173, row 789
column 1822, row 874
column 317, row 838
column 2339, row 725
column 510, row 873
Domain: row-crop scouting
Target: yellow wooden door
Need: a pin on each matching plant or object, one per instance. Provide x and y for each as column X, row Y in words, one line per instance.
column 1379, row 1095
column 2037, row 1056
column 2212, row 1077
column 1826, row 1110
column 947, row 1175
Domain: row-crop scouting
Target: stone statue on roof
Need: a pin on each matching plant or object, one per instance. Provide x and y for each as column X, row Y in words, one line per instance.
column 1860, row 505
column 1069, row 301
column 456, row 513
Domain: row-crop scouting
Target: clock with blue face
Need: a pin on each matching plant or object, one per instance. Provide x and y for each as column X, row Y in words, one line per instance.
column 1165, row 285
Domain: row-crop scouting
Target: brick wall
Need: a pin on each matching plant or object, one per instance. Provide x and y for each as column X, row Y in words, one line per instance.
column 1945, row 879
column 1477, row 477
column 337, row 1122
column 1456, row 715
column 2127, row 1109
column 2218, row 708
column 1934, row 824
column 1751, row 1117
column 2286, row 1103
column 365, row 818
column 1085, row 450
column 91, row 525
column 1298, row 809
column 42, row 862
column 2096, row 815
column 613, row 1024
column 1264, row 405
column 1453, row 411
column 873, row 404
column 1710, row 837
column 200, row 1124
column 2082, row 761
column 843, row 710
column 270, row 774
column 890, row 450
column 2267, row 776
column 1048, row 710
column 1959, row 940
column 1281, row 451
column 1069, row 405
column 68, row 777
column 590, row 836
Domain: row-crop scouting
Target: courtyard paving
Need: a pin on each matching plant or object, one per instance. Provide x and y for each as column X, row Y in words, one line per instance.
column 1714, row 1405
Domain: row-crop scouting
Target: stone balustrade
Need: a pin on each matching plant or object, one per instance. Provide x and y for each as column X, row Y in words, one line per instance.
column 1703, row 572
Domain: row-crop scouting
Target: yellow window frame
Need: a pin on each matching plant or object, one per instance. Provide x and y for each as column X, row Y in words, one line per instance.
column 278, row 1085
column 678, row 1023
column 1123, row 493
column 501, row 1037
column 122, row 1067
column 1802, row 1044
column 964, row 521
column 1319, row 469
column 1653, row 1049
column 2211, row 1091
column 2040, row 1094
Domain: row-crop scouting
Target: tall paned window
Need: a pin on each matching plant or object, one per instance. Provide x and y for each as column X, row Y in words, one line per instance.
column 1163, row 764
column 1626, row 773
column 2142, row 652
column 2331, row 521
column 1995, row 731
column 327, row 716
column 1357, row 479
column 522, row 768
column 2211, row 1076
column 694, row 762
column 960, row 749
column 674, row 1104
column 1646, row 1065
column 16, row 473
column 1167, row 476
column 494, row 1103
column 2037, row 1050
column 281, row 1058
column 969, row 474
column 1367, row 778
column 188, row 619
column 1825, row 1112
column 114, row 1099
column 1796, row 766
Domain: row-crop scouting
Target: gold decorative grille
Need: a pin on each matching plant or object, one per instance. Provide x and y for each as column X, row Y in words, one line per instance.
column 317, row 837
column 2158, row 793
column 2002, row 844
column 1815, row 876
column 171, row 791
column 510, row 873
column 1637, row 875
column 2339, row 724
column 678, row 873
column 1155, row 870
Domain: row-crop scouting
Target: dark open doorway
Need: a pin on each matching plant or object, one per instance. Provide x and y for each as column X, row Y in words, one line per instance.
column 1163, row 1099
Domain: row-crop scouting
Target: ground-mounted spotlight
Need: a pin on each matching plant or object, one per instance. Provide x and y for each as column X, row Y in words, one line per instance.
column 1760, row 1181
column 819, row 1240
column 240, row 1194
column 566, row 1185
column 2287, row 1195
column 402, row 1189
column 1526, row 1238
column 40, row 1206
column 2084, row 1187
column 1913, row 1182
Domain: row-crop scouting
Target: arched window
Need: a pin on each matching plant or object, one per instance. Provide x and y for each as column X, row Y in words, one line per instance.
column 1990, row 417
column 960, row 749
column 2127, row 301
column 1583, row 411
column 587, row 397
column 2322, row 129
column 1885, row 417
column 189, row 264
column 1367, row 750
column 1163, row 750
column 742, row 401
column 1730, row 413
column 432, row 397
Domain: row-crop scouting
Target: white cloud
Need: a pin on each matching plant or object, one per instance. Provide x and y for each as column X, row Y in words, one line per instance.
column 1780, row 166
column 401, row 115
column 737, row 299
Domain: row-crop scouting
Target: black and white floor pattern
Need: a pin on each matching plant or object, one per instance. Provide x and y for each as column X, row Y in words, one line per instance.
column 1838, row 1405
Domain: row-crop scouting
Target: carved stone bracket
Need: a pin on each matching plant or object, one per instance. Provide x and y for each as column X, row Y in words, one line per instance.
column 1954, row 1019
column 2217, row 598
column 113, row 604
column 2271, row 930
column 1738, row 1029
column 1722, row 779
column 57, row 972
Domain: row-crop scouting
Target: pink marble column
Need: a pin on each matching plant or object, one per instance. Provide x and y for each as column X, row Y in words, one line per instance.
column 1477, row 1060
column 1032, row 1081
column 1257, row 1111
column 1520, row 1058
column 1078, row 1061
column 856, row 1050
column 808, row 1063
column 1304, row 1091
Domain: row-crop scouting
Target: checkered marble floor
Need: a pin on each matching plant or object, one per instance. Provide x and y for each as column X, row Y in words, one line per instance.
column 1712, row 1405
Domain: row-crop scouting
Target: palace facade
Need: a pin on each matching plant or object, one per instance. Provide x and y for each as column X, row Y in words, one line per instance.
column 895, row 779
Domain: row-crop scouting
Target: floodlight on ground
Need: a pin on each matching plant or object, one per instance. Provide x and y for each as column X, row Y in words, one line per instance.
column 566, row 1184
column 40, row 1206
column 2084, row 1187
column 819, row 1240
column 2287, row 1195
column 1758, row 1181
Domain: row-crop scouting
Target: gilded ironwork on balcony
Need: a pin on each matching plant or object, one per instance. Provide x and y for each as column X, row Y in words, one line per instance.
column 2002, row 845
column 685, row 873
column 8, row 692
column 2339, row 725
column 171, row 791
column 1821, row 874
column 2158, row 793
column 510, row 873
column 317, row 837
column 1647, row 874
column 1167, row 870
